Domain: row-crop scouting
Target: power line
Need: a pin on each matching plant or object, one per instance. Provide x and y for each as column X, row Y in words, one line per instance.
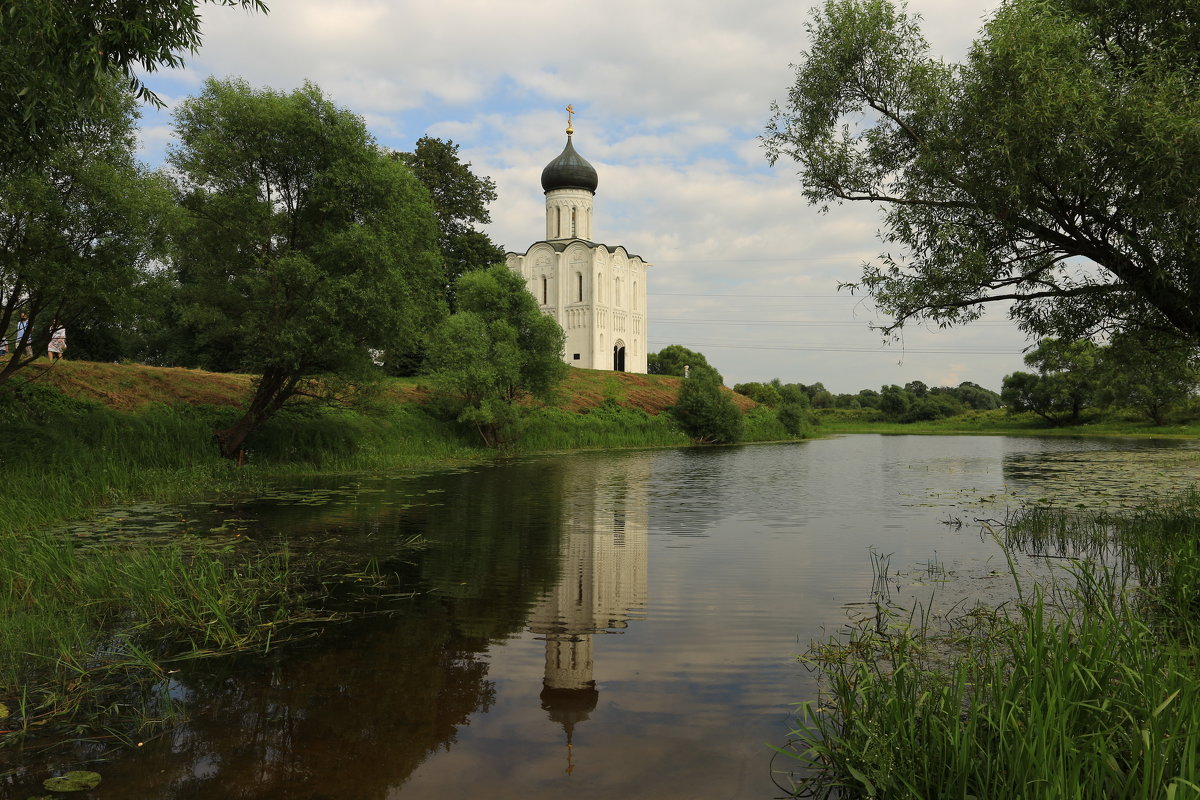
column 899, row 351
column 769, row 296
column 790, row 323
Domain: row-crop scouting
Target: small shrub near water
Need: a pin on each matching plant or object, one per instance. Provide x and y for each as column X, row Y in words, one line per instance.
column 1087, row 691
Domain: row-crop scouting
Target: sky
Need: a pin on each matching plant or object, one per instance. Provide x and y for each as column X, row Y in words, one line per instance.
column 670, row 99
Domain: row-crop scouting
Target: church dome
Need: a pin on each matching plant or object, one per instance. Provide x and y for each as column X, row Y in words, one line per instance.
column 569, row 171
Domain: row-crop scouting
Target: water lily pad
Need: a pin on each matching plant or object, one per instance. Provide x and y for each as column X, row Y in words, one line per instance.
column 76, row 781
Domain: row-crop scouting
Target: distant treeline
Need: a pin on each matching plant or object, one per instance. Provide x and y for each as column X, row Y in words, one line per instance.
column 912, row 402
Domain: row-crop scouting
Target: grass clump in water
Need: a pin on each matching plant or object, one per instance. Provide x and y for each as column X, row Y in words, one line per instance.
column 1085, row 688
column 86, row 631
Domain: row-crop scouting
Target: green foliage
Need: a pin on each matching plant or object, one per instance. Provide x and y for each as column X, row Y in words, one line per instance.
column 894, row 401
column 672, row 359
column 1068, row 138
column 606, row 426
column 78, row 227
column 794, row 418
column 495, row 351
column 1064, row 385
column 60, row 59
column 303, row 247
column 973, row 396
column 1153, row 374
column 762, row 393
column 868, row 398
column 460, row 201
column 707, row 414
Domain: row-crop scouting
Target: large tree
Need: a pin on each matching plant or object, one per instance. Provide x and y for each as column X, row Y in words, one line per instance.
column 58, row 58
column 1055, row 170
column 78, row 226
column 304, row 246
column 673, row 358
column 1065, row 383
column 495, row 352
column 460, row 202
column 1151, row 374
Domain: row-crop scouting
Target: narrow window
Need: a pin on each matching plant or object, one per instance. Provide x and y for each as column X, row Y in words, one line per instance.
column 572, row 222
column 579, row 287
column 545, row 293
column 558, row 222
column 635, row 296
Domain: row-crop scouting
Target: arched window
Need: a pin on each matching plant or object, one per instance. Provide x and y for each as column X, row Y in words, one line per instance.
column 572, row 222
column 545, row 290
column 579, row 287
column 616, row 291
column 558, row 222
column 599, row 287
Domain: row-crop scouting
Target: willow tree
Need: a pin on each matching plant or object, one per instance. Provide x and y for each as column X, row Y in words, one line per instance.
column 79, row 226
column 1054, row 170
column 59, row 58
column 303, row 247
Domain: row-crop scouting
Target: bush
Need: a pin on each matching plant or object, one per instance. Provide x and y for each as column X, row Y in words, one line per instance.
column 707, row 414
column 794, row 419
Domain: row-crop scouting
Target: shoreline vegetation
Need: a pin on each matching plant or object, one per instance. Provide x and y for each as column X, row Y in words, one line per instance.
column 1085, row 686
column 89, row 629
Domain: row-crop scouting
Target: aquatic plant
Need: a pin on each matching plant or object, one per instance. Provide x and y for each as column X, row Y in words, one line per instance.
column 1086, row 689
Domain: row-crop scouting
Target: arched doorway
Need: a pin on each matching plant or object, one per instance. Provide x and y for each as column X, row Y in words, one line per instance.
column 619, row 356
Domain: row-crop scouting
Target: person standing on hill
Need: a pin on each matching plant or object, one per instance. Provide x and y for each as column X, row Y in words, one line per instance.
column 58, row 341
column 21, row 348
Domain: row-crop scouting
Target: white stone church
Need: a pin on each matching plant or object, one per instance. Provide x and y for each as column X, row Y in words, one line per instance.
column 597, row 292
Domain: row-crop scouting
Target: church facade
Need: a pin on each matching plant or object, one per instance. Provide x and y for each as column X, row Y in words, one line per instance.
column 596, row 292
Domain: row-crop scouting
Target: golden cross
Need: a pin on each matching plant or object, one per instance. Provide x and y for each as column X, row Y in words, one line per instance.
column 570, row 113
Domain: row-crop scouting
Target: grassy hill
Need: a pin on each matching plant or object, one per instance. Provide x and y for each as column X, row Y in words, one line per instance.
column 127, row 387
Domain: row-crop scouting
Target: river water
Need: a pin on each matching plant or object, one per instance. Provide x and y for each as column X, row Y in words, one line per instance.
column 619, row 625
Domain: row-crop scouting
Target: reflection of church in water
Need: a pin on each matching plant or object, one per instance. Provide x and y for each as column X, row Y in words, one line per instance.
column 602, row 581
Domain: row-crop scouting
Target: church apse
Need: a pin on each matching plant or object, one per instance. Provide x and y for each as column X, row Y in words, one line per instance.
column 602, row 583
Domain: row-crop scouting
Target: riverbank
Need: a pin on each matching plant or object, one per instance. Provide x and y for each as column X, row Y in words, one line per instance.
column 87, row 624
column 998, row 422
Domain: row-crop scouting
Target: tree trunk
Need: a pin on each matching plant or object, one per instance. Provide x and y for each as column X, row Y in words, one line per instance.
column 274, row 389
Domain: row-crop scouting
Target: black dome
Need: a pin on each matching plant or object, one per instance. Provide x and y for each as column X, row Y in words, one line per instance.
column 569, row 171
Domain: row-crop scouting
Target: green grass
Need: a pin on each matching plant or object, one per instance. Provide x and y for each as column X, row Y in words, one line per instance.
column 1086, row 688
column 996, row 422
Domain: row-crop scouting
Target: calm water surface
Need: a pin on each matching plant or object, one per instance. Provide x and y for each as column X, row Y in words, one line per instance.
column 601, row 625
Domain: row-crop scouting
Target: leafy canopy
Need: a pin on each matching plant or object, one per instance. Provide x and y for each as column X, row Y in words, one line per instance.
column 1064, row 385
column 460, row 202
column 78, row 228
column 1054, row 170
column 705, row 411
column 58, row 59
column 304, row 247
column 494, row 352
column 672, row 359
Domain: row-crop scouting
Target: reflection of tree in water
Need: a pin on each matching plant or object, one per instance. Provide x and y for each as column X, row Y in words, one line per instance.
column 356, row 713
column 352, row 719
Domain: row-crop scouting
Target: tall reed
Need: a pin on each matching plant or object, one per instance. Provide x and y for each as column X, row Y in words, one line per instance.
column 1089, row 689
